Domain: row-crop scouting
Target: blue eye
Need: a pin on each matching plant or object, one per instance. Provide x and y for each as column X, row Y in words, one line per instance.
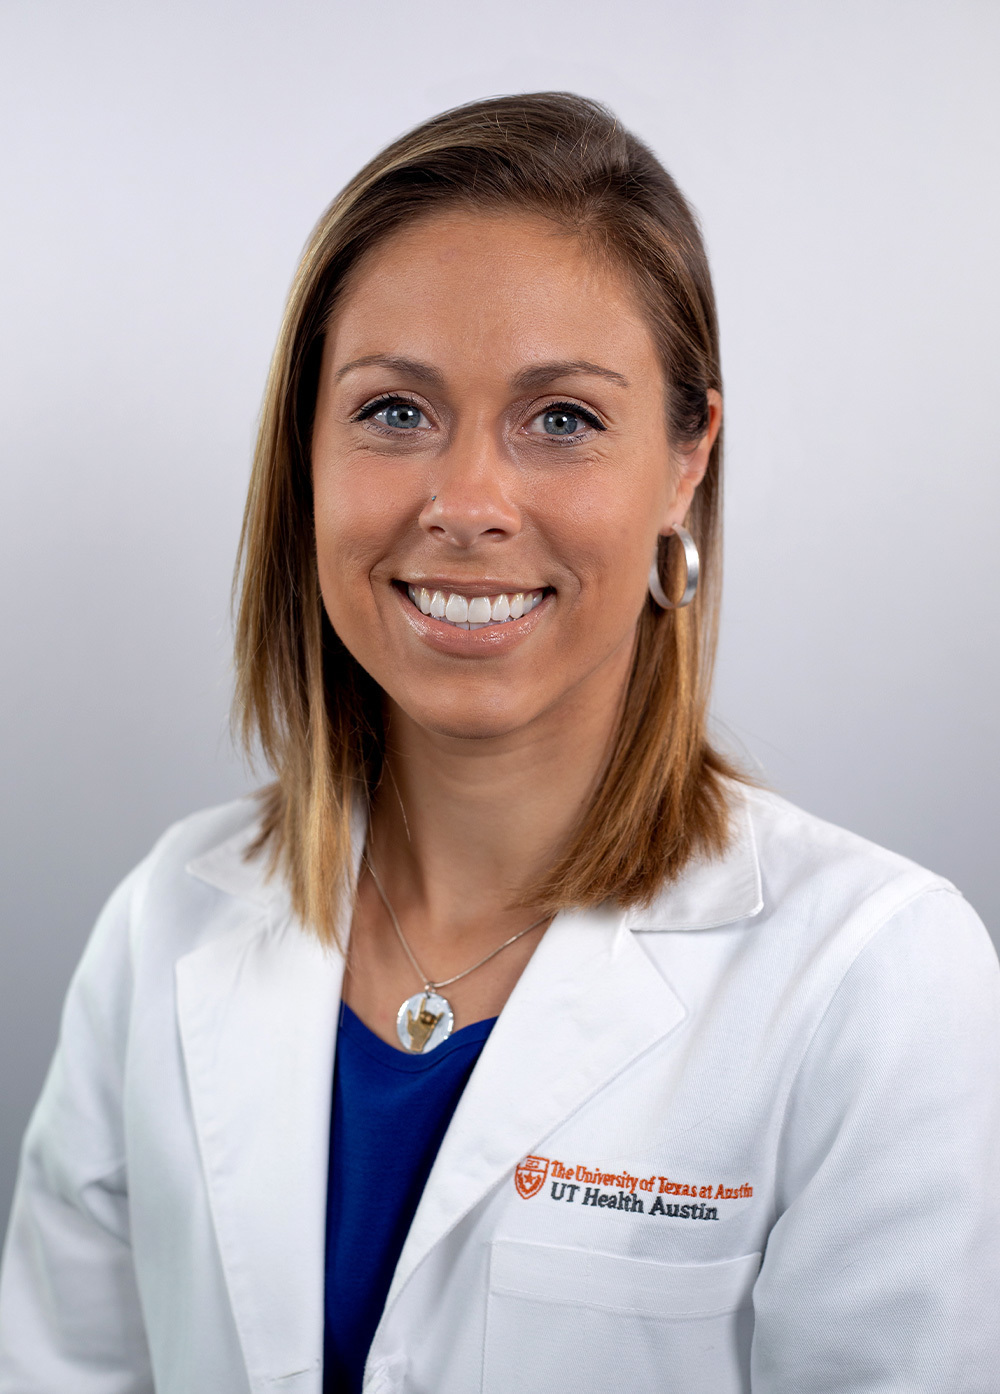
column 560, row 423
column 399, row 415
column 564, row 419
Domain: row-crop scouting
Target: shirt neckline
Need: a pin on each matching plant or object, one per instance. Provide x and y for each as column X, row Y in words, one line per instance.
column 468, row 1037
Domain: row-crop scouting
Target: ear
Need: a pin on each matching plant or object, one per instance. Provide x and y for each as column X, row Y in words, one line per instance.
column 692, row 464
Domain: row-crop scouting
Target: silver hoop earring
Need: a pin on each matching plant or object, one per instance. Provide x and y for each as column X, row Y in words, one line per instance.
column 693, row 563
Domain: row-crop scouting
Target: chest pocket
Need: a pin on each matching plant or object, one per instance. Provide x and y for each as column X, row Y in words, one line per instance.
column 562, row 1319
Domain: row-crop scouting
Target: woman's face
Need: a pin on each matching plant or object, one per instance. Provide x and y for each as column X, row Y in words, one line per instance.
column 491, row 469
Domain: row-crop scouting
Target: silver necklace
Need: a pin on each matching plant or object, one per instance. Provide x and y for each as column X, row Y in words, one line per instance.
column 426, row 1019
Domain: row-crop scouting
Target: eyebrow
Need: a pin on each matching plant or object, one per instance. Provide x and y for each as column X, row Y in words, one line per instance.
column 409, row 367
column 543, row 373
column 536, row 376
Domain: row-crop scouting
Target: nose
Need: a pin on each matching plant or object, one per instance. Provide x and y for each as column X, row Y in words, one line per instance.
column 471, row 499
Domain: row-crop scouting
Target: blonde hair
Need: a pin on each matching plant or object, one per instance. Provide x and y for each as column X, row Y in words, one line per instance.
column 315, row 713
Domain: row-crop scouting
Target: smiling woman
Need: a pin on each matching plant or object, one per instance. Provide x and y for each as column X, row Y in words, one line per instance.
column 509, row 1040
column 530, row 374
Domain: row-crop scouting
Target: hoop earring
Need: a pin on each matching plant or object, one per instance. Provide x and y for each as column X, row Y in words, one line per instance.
column 693, row 563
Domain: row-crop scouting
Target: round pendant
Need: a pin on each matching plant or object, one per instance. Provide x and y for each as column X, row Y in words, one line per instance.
column 423, row 1022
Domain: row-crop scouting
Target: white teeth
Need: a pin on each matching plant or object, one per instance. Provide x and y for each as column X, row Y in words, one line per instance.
column 457, row 609
column 476, row 613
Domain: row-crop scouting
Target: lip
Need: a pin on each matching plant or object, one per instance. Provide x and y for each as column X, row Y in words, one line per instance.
column 492, row 640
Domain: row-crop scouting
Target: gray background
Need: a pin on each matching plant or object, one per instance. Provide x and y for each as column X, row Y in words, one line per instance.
column 162, row 164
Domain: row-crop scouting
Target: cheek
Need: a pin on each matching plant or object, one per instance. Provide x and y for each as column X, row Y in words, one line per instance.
column 351, row 525
column 610, row 535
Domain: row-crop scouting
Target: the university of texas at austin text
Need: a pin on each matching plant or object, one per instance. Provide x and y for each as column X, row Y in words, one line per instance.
column 571, row 1182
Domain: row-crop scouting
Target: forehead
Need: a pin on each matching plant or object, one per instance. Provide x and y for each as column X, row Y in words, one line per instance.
column 506, row 287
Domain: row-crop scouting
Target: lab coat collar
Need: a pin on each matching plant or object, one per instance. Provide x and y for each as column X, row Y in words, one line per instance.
column 712, row 891
column 709, row 892
column 228, row 868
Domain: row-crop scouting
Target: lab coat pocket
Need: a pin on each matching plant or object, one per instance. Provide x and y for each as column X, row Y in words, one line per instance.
column 592, row 1323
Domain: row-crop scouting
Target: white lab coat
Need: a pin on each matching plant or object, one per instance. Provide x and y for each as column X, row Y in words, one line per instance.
column 747, row 1139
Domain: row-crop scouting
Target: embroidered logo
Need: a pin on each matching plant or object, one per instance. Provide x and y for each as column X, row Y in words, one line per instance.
column 529, row 1177
column 574, row 1183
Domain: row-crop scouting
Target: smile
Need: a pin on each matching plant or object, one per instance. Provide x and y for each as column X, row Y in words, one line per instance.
column 474, row 612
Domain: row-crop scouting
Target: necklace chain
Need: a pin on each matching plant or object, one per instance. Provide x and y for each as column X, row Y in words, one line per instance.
column 445, row 982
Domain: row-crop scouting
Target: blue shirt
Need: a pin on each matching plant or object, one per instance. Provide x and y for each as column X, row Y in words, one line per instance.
column 390, row 1112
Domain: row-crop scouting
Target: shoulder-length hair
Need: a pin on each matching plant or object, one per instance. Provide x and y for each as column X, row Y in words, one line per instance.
column 315, row 714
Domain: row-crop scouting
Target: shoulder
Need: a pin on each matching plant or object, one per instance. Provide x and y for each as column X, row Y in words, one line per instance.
column 881, row 949
column 796, row 903
column 199, row 879
column 157, row 913
column 781, row 861
column 844, row 890
column 205, row 842
column 797, row 851
column 204, row 830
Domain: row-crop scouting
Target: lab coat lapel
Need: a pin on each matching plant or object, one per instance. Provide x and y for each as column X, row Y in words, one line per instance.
column 588, row 1004
column 258, row 1012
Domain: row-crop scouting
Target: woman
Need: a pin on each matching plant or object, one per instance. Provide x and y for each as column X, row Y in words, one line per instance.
column 509, row 1041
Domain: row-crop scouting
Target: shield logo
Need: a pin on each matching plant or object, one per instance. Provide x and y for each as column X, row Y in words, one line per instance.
column 529, row 1176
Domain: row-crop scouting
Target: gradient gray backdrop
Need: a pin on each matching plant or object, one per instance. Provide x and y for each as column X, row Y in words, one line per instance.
column 162, row 164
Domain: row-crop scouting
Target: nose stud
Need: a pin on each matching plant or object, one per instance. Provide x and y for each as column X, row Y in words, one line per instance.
column 433, row 497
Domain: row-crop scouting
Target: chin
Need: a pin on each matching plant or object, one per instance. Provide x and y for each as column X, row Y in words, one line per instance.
column 472, row 729
column 461, row 717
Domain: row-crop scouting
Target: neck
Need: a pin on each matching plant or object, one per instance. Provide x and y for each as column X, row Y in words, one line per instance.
column 461, row 828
